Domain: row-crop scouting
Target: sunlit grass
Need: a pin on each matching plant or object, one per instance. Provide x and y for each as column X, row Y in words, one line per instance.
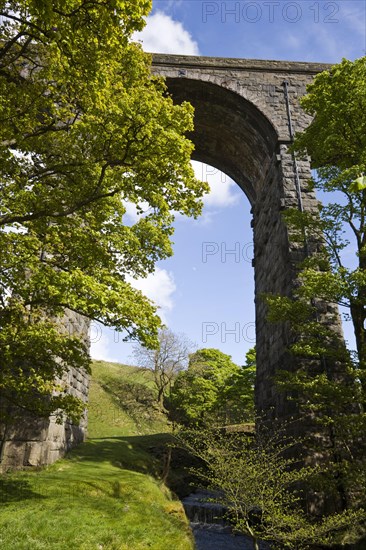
column 107, row 414
column 106, row 495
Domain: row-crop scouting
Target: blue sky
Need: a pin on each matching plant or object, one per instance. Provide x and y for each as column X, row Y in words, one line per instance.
column 206, row 289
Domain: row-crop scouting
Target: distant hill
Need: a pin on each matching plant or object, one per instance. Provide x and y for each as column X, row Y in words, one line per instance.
column 122, row 401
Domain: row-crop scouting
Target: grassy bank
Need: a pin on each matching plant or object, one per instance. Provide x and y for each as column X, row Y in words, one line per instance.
column 107, row 493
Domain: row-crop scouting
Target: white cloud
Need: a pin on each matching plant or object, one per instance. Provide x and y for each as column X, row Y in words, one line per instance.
column 100, row 343
column 159, row 287
column 223, row 189
column 206, row 218
column 164, row 35
column 326, row 42
column 293, row 41
column 131, row 210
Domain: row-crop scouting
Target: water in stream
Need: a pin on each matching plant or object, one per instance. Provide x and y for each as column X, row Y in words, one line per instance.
column 210, row 530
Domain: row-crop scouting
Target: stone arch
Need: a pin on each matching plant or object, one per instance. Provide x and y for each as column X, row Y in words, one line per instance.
column 245, row 113
column 242, row 128
column 230, row 132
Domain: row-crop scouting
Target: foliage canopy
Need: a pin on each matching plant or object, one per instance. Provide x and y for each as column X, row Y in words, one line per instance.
column 330, row 385
column 259, row 484
column 213, row 390
column 85, row 130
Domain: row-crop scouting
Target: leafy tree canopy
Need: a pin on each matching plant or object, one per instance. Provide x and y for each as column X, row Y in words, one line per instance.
column 213, row 389
column 330, row 384
column 337, row 100
column 336, row 142
column 84, row 130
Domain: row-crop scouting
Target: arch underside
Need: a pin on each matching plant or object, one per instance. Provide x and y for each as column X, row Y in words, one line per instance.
column 233, row 135
column 230, row 133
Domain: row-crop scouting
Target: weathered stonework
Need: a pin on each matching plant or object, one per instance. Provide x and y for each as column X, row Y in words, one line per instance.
column 242, row 128
column 37, row 442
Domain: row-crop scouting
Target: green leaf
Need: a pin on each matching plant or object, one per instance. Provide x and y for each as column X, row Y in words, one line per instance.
column 358, row 184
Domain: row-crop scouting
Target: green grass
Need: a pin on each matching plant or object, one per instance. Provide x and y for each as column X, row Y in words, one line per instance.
column 107, row 493
column 113, row 407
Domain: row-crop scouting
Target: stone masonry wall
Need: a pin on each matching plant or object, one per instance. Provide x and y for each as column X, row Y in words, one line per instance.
column 242, row 127
column 37, row 442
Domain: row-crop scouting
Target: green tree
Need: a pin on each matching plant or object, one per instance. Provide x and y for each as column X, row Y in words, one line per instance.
column 213, row 390
column 333, row 395
column 336, row 142
column 238, row 394
column 166, row 361
column 84, row 130
column 258, row 485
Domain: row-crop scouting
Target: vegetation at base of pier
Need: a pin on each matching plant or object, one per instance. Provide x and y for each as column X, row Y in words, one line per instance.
column 328, row 386
column 108, row 493
column 264, row 489
column 110, row 490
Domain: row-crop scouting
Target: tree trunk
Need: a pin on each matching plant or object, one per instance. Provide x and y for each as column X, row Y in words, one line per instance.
column 252, row 536
column 161, row 396
column 2, row 442
column 358, row 315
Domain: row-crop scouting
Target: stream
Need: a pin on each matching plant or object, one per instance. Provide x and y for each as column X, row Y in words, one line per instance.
column 211, row 531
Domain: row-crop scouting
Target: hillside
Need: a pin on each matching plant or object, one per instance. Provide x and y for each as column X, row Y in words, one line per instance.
column 107, row 494
column 122, row 402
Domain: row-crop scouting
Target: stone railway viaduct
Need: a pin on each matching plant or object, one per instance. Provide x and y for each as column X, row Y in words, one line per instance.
column 246, row 112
